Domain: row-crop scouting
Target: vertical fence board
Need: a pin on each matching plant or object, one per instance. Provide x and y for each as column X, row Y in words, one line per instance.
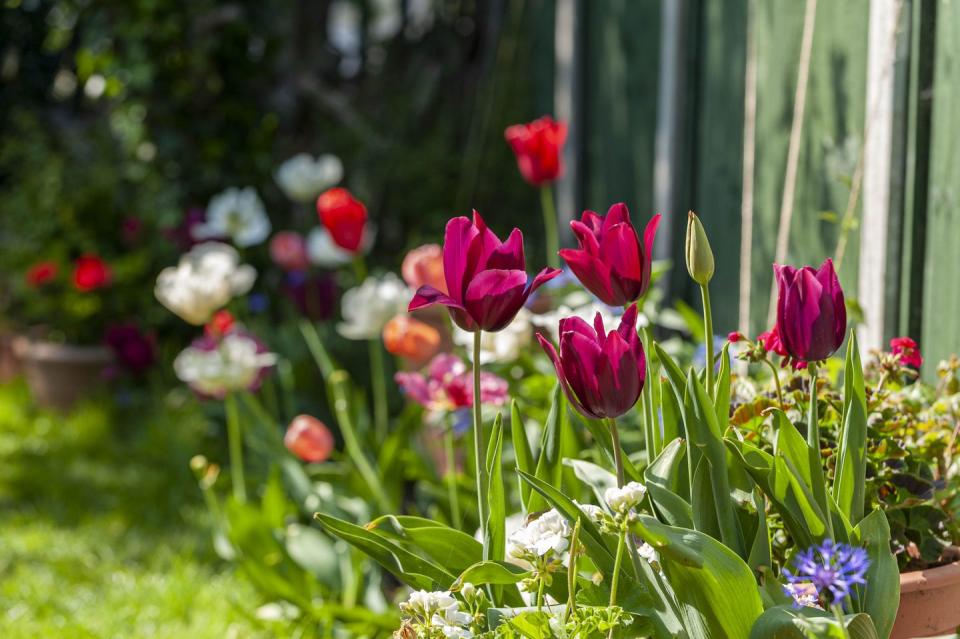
column 941, row 308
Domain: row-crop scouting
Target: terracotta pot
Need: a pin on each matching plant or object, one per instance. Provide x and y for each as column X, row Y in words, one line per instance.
column 60, row 374
column 9, row 362
column 929, row 602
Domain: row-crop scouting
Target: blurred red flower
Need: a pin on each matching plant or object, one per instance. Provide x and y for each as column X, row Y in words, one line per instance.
column 41, row 273
column 344, row 216
column 908, row 352
column 537, row 147
column 309, row 439
column 90, row 272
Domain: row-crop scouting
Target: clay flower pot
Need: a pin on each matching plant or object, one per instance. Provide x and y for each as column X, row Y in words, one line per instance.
column 929, row 602
column 60, row 374
column 9, row 363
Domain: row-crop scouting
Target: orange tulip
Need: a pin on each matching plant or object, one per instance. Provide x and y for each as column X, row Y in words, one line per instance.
column 410, row 338
column 423, row 266
column 309, row 439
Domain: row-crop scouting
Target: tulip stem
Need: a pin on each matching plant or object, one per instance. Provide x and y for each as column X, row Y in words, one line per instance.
column 235, row 443
column 479, row 448
column 551, row 235
column 708, row 336
column 617, row 451
column 617, row 564
column 813, row 450
column 651, row 423
column 379, row 383
column 452, row 493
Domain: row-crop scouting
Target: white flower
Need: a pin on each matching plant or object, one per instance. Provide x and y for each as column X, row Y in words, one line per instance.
column 503, row 346
column 586, row 312
column 302, row 178
column 322, row 251
column 368, row 307
column 548, row 533
column 205, row 280
column 648, row 553
column 238, row 214
column 232, row 364
column 595, row 513
column 623, row 499
column 438, row 609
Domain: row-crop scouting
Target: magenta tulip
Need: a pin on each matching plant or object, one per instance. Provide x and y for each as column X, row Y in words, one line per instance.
column 602, row 374
column 811, row 316
column 611, row 262
column 486, row 278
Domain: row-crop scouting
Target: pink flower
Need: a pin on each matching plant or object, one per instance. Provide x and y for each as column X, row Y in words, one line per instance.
column 448, row 385
column 908, row 352
column 771, row 342
column 423, row 266
column 486, row 278
column 811, row 315
column 288, row 250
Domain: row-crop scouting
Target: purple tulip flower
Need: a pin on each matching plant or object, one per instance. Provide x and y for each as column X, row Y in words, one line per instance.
column 602, row 374
column 811, row 315
column 611, row 263
column 486, row 278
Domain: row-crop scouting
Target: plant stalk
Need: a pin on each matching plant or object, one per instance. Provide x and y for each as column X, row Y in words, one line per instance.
column 776, row 381
column 650, row 421
column 235, row 442
column 479, row 448
column 572, row 573
column 617, row 451
column 708, row 337
column 379, row 383
column 813, row 450
column 551, row 235
column 617, row 563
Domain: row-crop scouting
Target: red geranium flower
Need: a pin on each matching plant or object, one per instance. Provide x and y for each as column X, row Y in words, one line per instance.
column 90, row 272
column 41, row 273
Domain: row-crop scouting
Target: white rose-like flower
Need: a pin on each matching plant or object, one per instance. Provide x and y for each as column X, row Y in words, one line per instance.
column 238, row 214
column 302, row 178
column 623, row 499
column 367, row 308
column 548, row 533
column 216, row 368
column 503, row 346
column 205, row 280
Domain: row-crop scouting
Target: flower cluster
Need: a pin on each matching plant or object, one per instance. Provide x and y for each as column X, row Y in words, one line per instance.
column 544, row 537
column 831, row 569
column 623, row 500
column 438, row 614
column 448, row 386
column 216, row 367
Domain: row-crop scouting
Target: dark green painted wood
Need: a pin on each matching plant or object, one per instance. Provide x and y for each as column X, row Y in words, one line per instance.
column 941, row 308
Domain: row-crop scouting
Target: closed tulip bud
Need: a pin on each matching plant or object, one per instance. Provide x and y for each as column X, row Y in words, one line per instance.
column 698, row 253
column 309, row 439
column 811, row 316
column 411, row 339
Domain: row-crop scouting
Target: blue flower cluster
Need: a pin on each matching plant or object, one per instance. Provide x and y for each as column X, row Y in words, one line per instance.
column 831, row 568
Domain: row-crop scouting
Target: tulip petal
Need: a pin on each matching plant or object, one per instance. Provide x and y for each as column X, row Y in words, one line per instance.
column 551, row 352
column 649, row 234
column 592, row 273
column 428, row 296
column 628, row 325
column 620, row 248
column 481, row 247
column 591, row 221
column 509, row 255
column 620, row 374
column 494, row 297
column 456, row 245
column 577, row 325
column 586, row 236
column 827, row 276
column 616, row 214
column 540, row 279
column 582, row 359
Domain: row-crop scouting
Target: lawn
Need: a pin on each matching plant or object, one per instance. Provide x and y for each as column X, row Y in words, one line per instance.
column 102, row 529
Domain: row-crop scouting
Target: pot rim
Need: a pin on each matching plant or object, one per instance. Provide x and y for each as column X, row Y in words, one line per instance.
column 39, row 350
column 930, row 578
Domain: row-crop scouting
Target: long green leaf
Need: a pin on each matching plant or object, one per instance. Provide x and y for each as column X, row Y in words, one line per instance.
column 722, row 390
column 448, row 547
column 498, row 573
column 521, row 449
column 662, row 478
column 549, row 459
column 849, row 486
column 880, row 598
column 496, row 511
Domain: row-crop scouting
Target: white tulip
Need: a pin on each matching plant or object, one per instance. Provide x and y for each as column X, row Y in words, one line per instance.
column 367, row 308
column 502, row 347
column 238, row 214
column 205, row 280
column 232, row 364
column 302, row 178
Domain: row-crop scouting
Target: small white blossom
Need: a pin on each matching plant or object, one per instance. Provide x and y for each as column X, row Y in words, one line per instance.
column 238, row 214
column 548, row 533
column 302, row 178
column 595, row 513
column 501, row 347
column 438, row 609
column 624, row 499
column 205, row 280
column 367, row 308
column 648, row 553
column 232, row 364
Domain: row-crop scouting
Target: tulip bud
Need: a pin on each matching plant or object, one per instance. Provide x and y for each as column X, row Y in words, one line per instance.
column 698, row 253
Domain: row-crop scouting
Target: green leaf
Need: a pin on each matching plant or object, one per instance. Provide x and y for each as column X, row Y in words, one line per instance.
column 496, row 542
column 497, row 573
column 549, row 461
column 597, row 478
column 601, row 437
column 448, row 547
column 880, row 598
column 849, row 485
column 717, row 590
column 784, row 622
column 760, row 552
column 722, row 390
column 412, row 570
column 521, row 449
column 313, row 551
column 662, row 479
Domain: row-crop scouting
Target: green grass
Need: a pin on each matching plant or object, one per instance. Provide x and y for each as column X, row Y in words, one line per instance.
column 102, row 529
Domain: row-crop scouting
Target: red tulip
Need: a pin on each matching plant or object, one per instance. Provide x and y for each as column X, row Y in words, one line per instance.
column 288, row 250
column 41, row 273
column 537, row 147
column 309, row 439
column 908, row 352
column 486, row 278
column 90, row 273
column 611, row 263
column 811, row 316
column 602, row 374
column 344, row 216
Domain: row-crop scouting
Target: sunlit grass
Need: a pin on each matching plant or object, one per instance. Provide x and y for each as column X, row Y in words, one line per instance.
column 102, row 531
